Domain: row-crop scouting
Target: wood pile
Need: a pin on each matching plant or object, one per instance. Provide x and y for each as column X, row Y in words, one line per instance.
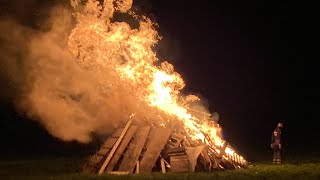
column 146, row 149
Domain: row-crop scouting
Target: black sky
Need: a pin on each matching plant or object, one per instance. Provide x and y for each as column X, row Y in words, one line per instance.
column 254, row 62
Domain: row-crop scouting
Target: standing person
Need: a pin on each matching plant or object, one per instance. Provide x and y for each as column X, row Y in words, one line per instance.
column 276, row 144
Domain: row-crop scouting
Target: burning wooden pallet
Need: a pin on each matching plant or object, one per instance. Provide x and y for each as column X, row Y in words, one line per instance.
column 136, row 149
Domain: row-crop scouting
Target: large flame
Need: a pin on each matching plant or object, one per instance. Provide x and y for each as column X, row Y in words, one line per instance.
column 98, row 42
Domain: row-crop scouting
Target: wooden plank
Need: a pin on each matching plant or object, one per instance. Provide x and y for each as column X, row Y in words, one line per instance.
column 189, row 140
column 117, row 133
column 176, row 136
column 109, row 142
column 163, row 167
column 137, row 167
column 103, row 151
column 176, row 150
column 186, row 142
column 193, row 153
column 175, row 140
column 180, row 157
column 118, row 172
column 124, row 143
column 86, row 169
column 114, row 148
column 179, row 163
column 176, row 144
column 168, row 146
column 177, row 154
column 133, row 152
column 158, row 138
column 95, row 159
column 205, row 155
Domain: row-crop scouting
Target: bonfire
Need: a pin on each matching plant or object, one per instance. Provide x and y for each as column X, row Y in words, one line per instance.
column 166, row 129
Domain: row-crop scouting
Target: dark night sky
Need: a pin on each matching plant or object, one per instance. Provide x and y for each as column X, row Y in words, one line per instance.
column 254, row 62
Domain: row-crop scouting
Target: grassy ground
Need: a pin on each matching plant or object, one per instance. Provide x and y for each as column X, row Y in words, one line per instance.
column 67, row 168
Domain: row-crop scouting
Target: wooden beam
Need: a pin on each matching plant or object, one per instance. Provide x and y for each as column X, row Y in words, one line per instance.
column 138, row 167
column 163, row 167
column 118, row 172
column 179, row 163
column 165, row 162
column 114, row 148
column 131, row 156
column 193, row 153
column 176, row 150
column 117, row 133
column 158, row 138
column 123, row 145
column 205, row 155
column 92, row 164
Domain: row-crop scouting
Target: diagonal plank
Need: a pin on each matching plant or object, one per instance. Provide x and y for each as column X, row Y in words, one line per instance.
column 114, row 148
column 94, row 160
column 124, row 143
column 134, row 150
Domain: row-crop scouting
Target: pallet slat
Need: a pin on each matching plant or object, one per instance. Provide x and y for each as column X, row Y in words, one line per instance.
column 158, row 138
column 139, row 148
column 114, row 148
column 134, row 149
column 126, row 139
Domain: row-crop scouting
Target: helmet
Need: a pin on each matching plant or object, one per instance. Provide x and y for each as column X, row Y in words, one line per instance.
column 280, row 125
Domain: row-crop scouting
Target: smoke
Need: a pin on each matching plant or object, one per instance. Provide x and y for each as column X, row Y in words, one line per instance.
column 47, row 83
column 12, row 48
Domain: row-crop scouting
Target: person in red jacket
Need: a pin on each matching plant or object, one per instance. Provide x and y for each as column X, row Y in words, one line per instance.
column 276, row 144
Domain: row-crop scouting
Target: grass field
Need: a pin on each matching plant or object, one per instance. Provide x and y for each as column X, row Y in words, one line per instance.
column 68, row 168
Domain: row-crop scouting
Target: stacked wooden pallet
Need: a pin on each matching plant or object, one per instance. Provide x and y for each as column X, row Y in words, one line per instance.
column 144, row 149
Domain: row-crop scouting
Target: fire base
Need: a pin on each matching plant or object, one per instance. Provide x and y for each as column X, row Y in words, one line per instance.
column 145, row 149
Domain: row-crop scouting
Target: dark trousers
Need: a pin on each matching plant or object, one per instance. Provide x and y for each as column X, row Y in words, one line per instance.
column 277, row 156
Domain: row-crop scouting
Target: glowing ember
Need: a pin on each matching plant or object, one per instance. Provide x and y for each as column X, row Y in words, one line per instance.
column 96, row 42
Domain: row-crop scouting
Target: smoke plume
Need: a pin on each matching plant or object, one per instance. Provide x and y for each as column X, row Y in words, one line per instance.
column 47, row 83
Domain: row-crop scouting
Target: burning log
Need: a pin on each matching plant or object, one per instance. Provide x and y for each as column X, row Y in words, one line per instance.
column 138, row 149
